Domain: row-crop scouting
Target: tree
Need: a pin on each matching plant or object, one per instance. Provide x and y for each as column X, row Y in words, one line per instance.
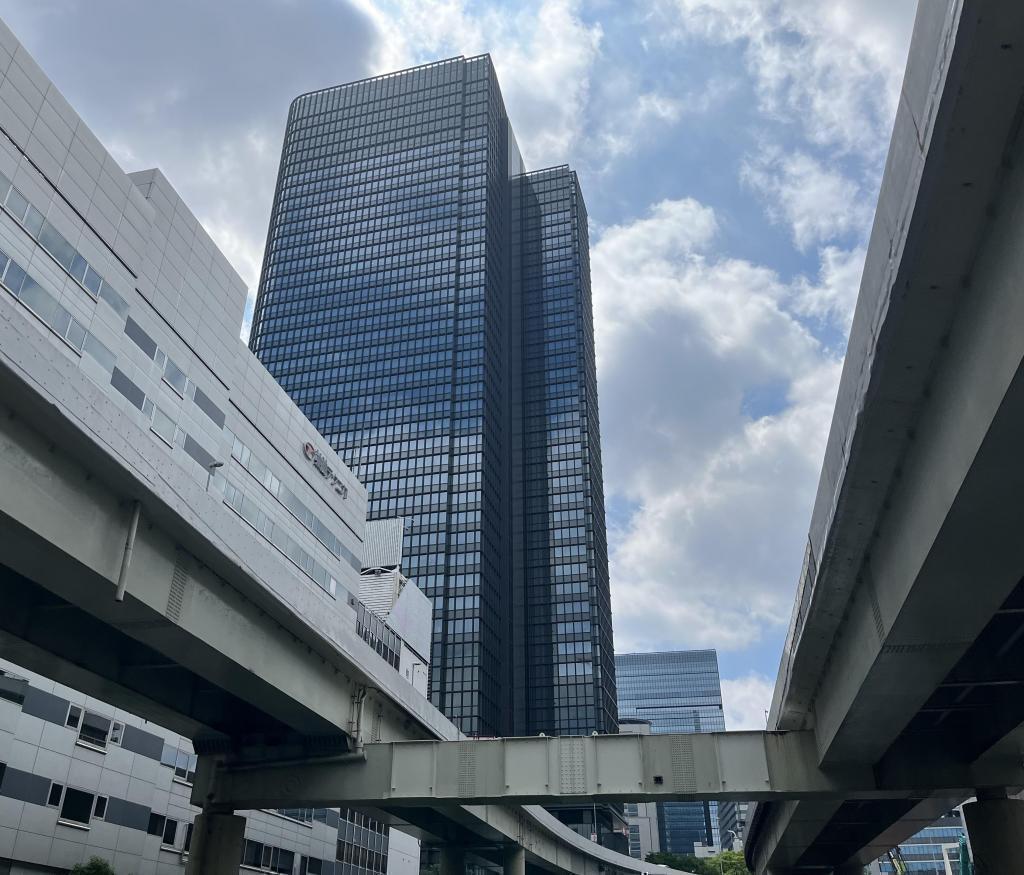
column 732, row 863
column 95, row 866
column 683, row 862
column 726, row 863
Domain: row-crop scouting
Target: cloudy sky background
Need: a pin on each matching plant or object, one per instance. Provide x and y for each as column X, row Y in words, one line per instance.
column 730, row 153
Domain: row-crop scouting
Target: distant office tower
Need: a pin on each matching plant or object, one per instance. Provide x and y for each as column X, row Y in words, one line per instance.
column 676, row 691
column 935, row 850
column 427, row 305
column 732, row 824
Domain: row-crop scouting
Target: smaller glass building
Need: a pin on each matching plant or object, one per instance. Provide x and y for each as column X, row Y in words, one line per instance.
column 675, row 691
column 935, row 850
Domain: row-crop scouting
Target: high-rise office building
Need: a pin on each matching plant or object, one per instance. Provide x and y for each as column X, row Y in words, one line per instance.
column 675, row 691
column 935, row 850
column 426, row 303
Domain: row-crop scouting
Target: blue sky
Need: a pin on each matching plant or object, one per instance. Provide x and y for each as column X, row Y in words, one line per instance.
column 730, row 153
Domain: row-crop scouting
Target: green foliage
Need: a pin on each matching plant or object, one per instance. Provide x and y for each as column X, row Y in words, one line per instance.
column 726, row 863
column 95, row 866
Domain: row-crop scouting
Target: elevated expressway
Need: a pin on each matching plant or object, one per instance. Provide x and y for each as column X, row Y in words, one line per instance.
column 906, row 645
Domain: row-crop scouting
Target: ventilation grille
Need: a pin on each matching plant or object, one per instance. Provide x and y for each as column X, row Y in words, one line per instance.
column 467, row 769
column 179, row 581
column 573, row 766
column 684, row 776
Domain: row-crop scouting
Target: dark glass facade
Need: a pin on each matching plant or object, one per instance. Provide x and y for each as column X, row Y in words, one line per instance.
column 427, row 304
column 676, row 691
column 935, row 850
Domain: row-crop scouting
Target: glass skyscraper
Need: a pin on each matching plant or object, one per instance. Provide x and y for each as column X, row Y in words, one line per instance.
column 426, row 302
column 675, row 691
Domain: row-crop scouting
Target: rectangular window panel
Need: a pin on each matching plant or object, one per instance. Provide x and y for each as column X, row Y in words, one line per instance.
column 100, row 808
column 94, row 729
column 253, row 854
column 156, row 824
column 197, row 452
column 163, row 425
column 170, row 832
column 103, row 356
column 77, row 806
column 205, row 403
column 142, row 340
column 74, row 716
column 119, row 304
column 175, row 377
column 126, row 387
column 56, row 791
column 57, row 244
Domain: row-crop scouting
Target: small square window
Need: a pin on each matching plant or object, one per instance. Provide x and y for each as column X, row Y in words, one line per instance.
column 175, row 377
column 95, row 729
column 77, row 806
column 56, row 791
column 156, row 824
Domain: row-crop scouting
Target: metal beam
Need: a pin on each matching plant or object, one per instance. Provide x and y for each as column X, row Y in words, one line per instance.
column 603, row 768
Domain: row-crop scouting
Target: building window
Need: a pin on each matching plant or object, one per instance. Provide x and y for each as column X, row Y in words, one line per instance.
column 183, row 763
column 94, row 730
column 99, row 810
column 267, row 858
column 74, row 716
column 311, row 866
column 170, row 832
column 156, row 824
column 76, row 806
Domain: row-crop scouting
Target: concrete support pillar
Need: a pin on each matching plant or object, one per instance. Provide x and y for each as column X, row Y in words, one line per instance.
column 515, row 861
column 995, row 825
column 216, row 847
column 453, row 860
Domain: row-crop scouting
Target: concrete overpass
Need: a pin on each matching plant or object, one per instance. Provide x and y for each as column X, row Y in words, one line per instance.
column 907, row 638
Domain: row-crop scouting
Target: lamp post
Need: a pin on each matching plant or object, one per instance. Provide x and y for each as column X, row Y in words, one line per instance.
column 721, row 850
column 213, row 466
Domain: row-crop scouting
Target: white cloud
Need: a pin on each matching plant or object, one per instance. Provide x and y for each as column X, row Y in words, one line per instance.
column 543, row 52
column 833, row 297
column 212, row 119
column 832, row 68
column 720, row 400
column 818, row 203
column 745, row 701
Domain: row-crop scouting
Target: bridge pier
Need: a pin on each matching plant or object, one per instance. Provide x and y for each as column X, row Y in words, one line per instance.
column 515, row 860
column 453, row 860
column 216, row 844
column 995, row 825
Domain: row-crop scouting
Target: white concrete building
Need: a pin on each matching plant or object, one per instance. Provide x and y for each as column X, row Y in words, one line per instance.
column 110, row 273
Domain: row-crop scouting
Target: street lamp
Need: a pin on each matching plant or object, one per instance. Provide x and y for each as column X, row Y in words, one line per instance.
column 213, row 466
column 721, row 850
